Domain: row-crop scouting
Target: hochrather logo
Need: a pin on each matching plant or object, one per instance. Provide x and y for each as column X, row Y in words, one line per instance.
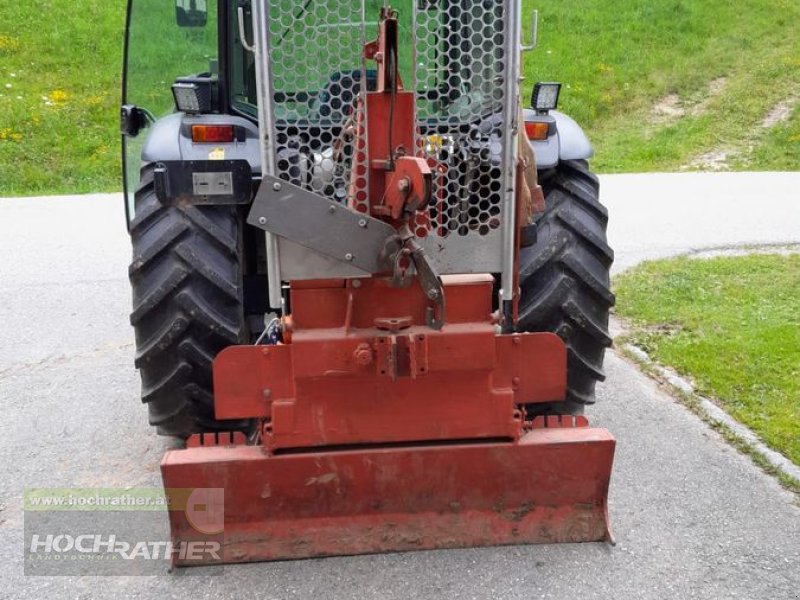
column 122, row 531
column 97, row 543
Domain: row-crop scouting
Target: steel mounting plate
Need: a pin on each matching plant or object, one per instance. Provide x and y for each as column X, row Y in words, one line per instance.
column 322, row 225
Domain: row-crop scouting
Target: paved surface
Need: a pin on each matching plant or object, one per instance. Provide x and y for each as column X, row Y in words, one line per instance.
column 657, row 215
column 692, row 517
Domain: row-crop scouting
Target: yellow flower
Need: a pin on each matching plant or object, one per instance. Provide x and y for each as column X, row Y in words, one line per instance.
column 8, row 43
column 59, row 96
column 99, row 152
column 8, row 134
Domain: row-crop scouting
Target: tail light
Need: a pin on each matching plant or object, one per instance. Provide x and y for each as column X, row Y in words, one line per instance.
column 537, row 130
column 213, row 134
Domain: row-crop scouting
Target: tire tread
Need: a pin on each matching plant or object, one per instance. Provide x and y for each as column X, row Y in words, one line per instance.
column 565, row 280
column 187, row 306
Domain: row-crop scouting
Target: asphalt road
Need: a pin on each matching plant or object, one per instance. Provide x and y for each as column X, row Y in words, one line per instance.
column 692, row 517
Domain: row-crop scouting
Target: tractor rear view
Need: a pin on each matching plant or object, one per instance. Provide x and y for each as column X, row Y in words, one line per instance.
column 373, row 316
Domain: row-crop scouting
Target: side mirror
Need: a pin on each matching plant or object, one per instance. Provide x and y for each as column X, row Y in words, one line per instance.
column 132, row 120
column 191, row 13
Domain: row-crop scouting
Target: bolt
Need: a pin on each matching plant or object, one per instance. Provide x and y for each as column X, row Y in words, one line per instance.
column 262, row 220
column 266, row 393
column 362, row 223
column 363, row 355
column 277, row 186
column 517, row 341
column 356, row 283
column 331, row 209
column 515, row 382
column 433, row 294
column 265, row 351
column 348, row 256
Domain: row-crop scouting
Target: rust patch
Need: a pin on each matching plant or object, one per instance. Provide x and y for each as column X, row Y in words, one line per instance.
column 520, row 513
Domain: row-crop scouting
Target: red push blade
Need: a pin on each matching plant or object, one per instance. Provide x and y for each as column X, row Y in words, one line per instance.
column 550, row 486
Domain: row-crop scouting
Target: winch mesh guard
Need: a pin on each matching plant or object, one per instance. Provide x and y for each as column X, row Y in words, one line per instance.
column 453, row 53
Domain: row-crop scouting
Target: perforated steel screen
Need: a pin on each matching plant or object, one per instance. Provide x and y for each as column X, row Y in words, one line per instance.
column 454, row 54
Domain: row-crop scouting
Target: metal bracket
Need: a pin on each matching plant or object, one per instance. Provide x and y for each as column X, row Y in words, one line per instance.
column 408, row 254
column 321, row 225
column 203, row 182
column 402, row 356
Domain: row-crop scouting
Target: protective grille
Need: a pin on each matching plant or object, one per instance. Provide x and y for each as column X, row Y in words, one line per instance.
column 453, row 53
column 316, row 71
column 460, row 72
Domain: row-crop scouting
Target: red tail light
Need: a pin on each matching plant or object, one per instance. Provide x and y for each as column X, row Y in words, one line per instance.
column 210, row 134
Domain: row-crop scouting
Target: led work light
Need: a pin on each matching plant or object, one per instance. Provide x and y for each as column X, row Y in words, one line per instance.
column 192, row 97
column 545, row 96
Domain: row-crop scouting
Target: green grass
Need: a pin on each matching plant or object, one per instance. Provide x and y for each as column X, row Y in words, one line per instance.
column 733, row 325
column 58, row 118
column 619, row 59
column 60, row 96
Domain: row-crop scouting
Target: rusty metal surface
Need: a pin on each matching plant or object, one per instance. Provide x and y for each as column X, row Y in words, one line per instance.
column 345, row 379
column 551, row 486
column 379, row 434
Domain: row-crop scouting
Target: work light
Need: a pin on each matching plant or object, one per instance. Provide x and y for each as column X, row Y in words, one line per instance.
column 545, row 96
column 192, row 97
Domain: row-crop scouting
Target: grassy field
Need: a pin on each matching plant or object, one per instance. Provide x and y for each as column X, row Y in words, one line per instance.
column 733, row 326
column 667, row 85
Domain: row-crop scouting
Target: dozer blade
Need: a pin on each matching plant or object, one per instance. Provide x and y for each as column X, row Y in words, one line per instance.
column 550, row 486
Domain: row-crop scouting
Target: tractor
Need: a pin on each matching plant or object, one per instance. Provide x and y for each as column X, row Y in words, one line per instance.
column 370, row 286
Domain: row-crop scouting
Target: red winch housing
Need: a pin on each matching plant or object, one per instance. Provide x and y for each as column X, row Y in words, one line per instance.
column 381, row 427
column 380, row 434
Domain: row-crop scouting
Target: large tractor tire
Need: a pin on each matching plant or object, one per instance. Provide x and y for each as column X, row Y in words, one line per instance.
column 565, row 280
column 187, row 306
